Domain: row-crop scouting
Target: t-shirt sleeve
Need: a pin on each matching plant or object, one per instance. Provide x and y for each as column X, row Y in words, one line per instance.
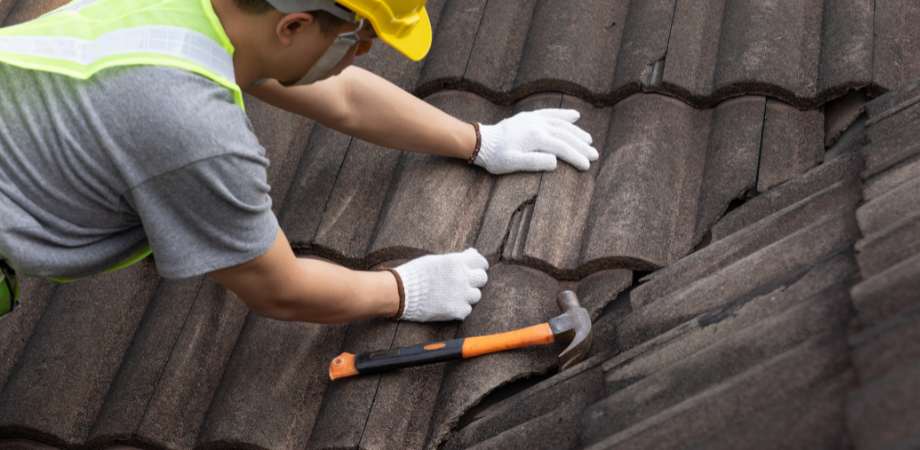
column 208, row 215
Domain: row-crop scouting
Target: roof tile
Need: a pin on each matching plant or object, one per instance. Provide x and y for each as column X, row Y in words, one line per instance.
column 764, row 393
column 357, row 200
column 313, row 185
column 347, row 404
column 395, row 423
column 806, row 188
column 897, row 43
column 637, row 396
column 881, row 212
column 507, row 219
column 285, row 136
column 793, row 143
column 888, row 293
column 528, row 407
column 644, row 201
column 731, row 162
column 887, row 346
column 555, row 56
column 884, row 413
column 561, row 208
column 146, row 359
column 758, row 271
column 897, row 242
column 195, row 366
column 15, row 329
column 75, row 352
column 267, row 399
column 422, row 214
column 515, row 297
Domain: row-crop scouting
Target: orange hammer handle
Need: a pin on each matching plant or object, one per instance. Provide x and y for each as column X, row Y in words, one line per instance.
column 525, row 337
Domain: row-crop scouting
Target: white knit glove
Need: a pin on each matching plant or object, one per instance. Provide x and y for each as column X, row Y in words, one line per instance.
column 531, row 141
column 442, row 287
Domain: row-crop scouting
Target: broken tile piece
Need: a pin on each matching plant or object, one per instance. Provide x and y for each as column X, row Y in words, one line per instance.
column 643, row 48
column 515, row 297
column 562, row 206
column 505, row 229
column 793, row 143
column 732, row 158
column 766, row 267
column 776, row 388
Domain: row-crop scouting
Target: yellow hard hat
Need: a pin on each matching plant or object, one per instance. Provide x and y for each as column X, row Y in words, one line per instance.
column 403, row 24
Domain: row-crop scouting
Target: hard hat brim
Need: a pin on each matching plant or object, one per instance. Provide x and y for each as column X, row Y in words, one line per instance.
column 414, row 44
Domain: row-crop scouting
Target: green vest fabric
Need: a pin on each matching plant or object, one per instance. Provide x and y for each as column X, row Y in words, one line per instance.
column 84, row 37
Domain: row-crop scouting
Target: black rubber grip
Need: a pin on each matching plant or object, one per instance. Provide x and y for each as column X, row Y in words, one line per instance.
column 415, row 355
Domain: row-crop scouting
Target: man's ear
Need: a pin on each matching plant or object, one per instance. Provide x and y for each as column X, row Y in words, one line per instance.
column 291, row 24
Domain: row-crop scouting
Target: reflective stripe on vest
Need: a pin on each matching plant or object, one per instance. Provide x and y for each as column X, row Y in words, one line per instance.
column 85, row 37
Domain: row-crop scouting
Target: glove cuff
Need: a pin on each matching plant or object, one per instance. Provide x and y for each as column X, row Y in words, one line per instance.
column 488, row 137
column 402, row 294
column 415, row 289
column 478, row 143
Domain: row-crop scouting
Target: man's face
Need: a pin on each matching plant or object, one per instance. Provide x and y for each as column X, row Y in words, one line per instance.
column 327, row 43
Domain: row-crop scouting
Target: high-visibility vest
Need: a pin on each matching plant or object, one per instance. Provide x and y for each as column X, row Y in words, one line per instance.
column 84, row 37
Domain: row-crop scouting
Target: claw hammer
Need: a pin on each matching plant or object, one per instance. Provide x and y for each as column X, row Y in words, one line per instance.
column 574, row 325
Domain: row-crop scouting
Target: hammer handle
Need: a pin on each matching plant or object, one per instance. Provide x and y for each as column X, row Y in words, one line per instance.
column 347, row 364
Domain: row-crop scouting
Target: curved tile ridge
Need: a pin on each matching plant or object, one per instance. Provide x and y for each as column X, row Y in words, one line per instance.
column 801, row 52
column 667, row 171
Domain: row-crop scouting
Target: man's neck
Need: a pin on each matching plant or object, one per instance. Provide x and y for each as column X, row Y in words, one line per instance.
column 245, row 64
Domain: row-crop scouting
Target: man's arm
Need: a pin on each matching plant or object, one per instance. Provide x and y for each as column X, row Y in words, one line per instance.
column 281, row 286
column 364, row 105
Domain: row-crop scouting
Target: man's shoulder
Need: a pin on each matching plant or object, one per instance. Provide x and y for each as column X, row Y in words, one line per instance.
column 175, row 117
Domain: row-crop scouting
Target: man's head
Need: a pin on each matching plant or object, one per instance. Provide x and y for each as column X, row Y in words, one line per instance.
column 306, row 40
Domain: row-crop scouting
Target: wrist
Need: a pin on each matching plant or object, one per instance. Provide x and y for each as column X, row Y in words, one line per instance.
column 382, row 291
column 477, row 145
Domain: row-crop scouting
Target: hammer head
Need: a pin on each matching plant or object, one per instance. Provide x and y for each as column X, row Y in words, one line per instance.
column 574, row 323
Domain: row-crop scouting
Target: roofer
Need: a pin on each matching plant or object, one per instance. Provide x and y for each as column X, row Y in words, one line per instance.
column 122, row 131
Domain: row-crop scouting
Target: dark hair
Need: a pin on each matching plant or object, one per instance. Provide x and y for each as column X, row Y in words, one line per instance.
column 327, row 22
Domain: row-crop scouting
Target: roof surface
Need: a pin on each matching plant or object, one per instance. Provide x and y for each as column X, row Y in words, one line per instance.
column 748, row 245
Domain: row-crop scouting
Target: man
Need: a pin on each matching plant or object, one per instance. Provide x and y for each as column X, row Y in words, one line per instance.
column 121, row 127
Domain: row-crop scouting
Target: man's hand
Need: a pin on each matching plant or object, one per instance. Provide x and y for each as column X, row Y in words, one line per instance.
column 442, row 287
column 531, row 141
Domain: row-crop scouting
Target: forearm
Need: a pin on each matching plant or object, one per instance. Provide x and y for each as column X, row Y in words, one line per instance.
column 382, row 113
column 281, row 286
column 366, row 106
column 322, row 292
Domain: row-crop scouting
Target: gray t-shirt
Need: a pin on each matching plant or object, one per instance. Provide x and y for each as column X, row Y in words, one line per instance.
column 92, row 170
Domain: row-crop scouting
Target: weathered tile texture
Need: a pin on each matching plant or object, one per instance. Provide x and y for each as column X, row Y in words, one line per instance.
column 883, row 411
column 782, row 295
